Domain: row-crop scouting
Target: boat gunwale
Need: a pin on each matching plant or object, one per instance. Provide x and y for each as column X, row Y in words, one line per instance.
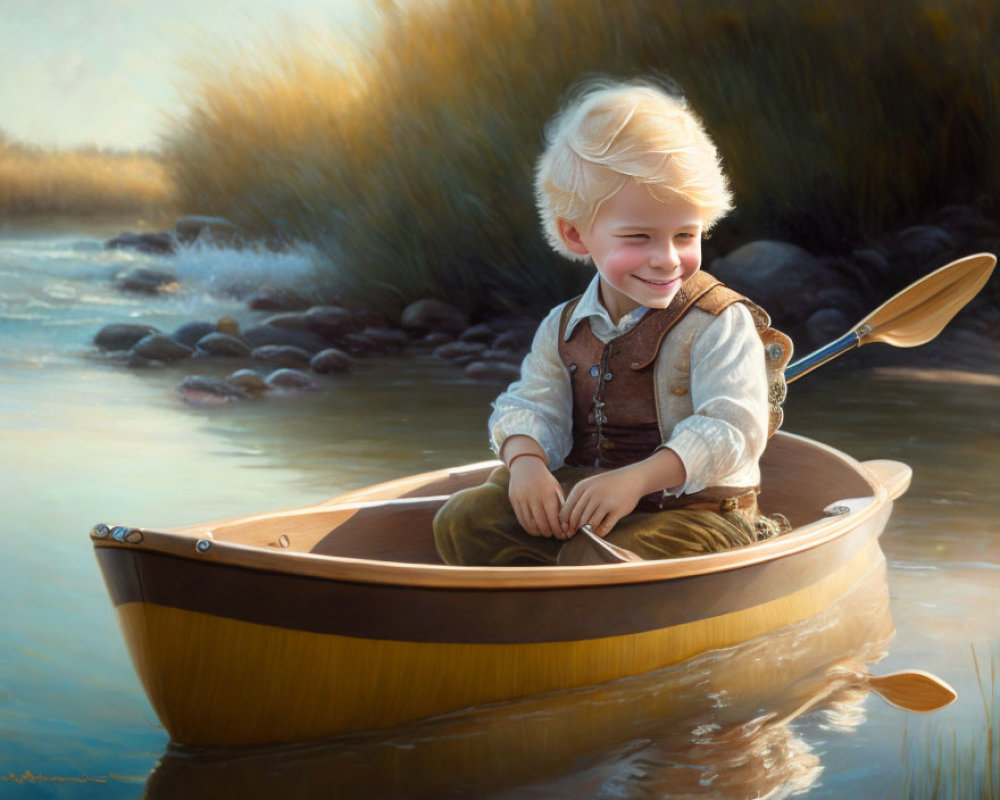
column 363, row 570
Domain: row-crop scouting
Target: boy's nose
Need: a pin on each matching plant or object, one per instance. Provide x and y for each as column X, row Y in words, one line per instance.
column 665, row 257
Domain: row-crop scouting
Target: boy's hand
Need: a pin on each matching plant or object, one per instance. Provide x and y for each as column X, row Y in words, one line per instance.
column 536, row 497
column 601, row 500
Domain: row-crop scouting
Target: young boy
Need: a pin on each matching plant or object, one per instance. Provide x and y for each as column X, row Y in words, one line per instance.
column 642, row 408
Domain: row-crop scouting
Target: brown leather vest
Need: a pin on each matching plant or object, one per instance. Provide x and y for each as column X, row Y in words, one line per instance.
column 615, row 421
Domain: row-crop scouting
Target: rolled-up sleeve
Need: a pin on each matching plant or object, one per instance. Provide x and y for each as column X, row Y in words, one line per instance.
column 725, row 436
column 540, row 403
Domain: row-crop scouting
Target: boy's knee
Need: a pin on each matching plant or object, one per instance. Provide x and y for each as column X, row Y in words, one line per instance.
column 459, row 523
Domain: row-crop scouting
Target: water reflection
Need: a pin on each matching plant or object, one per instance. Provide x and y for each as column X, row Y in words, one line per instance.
column 720, row 725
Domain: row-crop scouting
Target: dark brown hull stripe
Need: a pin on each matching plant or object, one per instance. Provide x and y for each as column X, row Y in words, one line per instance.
column 431, row 614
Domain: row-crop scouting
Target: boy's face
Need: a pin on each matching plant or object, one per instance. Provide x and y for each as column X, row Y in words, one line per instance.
column 643, row 248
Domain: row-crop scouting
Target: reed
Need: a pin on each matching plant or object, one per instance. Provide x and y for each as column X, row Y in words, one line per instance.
column 959, row 765
column 408, row 160
column 82, row 182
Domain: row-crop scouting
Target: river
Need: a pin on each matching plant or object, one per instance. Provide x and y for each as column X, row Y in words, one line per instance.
column 84, row 439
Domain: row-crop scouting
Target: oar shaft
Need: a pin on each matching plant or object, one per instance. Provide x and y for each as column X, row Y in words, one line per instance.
column 817, row 358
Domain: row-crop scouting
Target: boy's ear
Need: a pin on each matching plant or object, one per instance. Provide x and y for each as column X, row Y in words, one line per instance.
column 570, row 234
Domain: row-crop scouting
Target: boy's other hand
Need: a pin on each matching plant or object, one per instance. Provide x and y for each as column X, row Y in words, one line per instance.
column 601, row 500
column 536, row 497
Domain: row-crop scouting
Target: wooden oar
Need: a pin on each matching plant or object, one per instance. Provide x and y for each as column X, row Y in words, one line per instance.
column 912, row 317
column 911, row 690
column 914, row 690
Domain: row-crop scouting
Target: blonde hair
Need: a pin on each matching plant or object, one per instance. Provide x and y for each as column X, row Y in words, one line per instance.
column 612, row 131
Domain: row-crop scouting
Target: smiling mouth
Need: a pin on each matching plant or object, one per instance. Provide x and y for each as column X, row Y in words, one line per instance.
column 671, row 282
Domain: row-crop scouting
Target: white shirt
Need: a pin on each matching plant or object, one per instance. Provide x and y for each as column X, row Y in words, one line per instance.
column 710, row 382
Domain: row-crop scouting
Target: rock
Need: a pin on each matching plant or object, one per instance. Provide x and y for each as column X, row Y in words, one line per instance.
column 152, row 243
column 332, row 322
column 291, row 379
column 478, row 333
column 826, row 325
column 454, row 351
column 436, row 339
column 387, row 340
column 507, row 356
column 516, row 339
column 493, row 371
column 260, row 335
column 331, row 360
column 248, row 381
column 189, row 333
column 370, row 319
column 146, row 280
column 208, row 230
column 272, row 298
column 160, row 347
column 200, row 390
column 284, row 355
column 782, row 277
column 121, row 336
column 423, row 316
column 293, row 321
column 357, row 344
column 921, row 244
column 222, row 345
column 228, row 325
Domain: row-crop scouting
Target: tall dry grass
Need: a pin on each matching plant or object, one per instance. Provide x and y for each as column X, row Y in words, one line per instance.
column 410, row 167
column 84, row 182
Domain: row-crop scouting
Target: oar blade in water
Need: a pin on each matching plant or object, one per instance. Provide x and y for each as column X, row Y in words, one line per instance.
column 913, row 690
column 919, row 313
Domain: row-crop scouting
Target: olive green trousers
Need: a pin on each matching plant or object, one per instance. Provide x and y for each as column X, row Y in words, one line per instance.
column 478, row 527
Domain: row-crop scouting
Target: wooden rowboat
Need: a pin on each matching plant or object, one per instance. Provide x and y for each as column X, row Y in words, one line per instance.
column 310, row 622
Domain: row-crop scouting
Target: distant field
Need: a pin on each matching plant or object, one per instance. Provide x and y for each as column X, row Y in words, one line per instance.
column 85, row 183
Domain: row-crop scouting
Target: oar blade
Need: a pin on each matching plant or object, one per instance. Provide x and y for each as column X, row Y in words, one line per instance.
column 913, row 690
column 920, row 312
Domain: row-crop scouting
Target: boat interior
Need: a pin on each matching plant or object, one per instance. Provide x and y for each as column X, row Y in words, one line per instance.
column 393, row 521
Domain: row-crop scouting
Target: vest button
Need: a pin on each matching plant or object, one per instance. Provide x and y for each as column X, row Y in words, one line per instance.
column 680, row 391
column 608, row 376
column 636, row 365
column 572, row 367
column 595, row 371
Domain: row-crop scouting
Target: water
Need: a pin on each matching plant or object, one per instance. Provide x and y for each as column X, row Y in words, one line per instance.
column 83, row 439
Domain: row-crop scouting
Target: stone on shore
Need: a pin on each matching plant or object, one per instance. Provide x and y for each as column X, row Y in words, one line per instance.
column 189, row 333
column 517, row 338
column 293, row 321
column 151, row 243
column 228, row 325
column 478, row 333
column 460, row 352
column 291, row 379
column 273, row 298
column 203, row 391
column 122, row 336
column 222, row 345
column 781, row 277
column 146, row 280
column 332, row 322
column 331, row 360
column 260, row 335
column 429, row 315
column 284, row 355
column 160, row 347
column 387, row 340
column 248, row 381
column 493, row 371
